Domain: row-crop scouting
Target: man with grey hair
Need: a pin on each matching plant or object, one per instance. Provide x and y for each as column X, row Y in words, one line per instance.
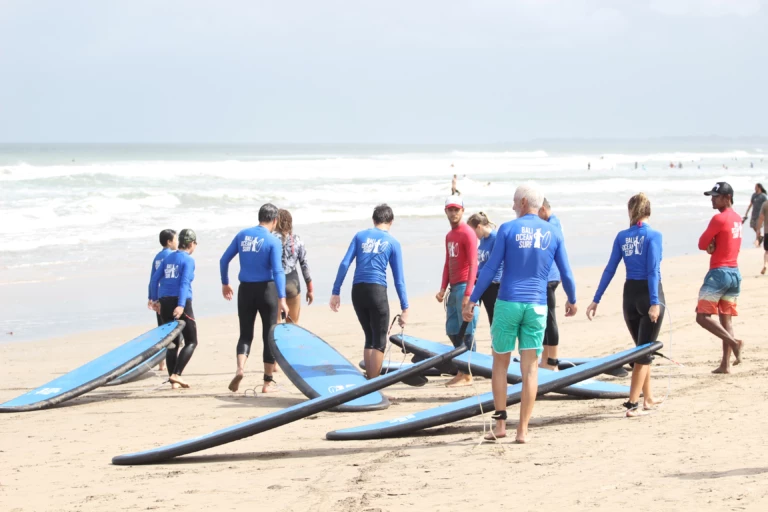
column 527, row 246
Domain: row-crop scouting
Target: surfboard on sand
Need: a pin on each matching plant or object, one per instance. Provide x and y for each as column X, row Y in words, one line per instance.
column 98, row 372
column 318, row 369
column 138, row 370
column 482, row 364
column 476, row 405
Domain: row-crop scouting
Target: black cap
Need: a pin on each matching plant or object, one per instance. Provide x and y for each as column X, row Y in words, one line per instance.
column 721, row 188
column 186, row 237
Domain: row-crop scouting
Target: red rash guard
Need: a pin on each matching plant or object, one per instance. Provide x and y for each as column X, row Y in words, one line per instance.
column 725, row 228
column 460, row 257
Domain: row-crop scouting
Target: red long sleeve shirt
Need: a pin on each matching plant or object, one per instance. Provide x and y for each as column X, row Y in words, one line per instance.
column 725, row 229
column 460, row 257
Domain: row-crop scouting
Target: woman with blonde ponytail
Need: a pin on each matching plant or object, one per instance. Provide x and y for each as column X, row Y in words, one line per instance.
column 640, row 248
column 486, row 233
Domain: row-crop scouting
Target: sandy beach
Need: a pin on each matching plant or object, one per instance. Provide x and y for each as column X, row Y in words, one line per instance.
column 704, row 450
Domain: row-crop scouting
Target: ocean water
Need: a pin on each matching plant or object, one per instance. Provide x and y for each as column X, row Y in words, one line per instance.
column 79, row 223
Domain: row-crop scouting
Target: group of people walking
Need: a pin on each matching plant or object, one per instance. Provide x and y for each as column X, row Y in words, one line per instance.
column 512, row 270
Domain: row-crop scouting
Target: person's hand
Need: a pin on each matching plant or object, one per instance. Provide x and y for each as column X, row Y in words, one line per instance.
column 151, row 305
column 335, row 303
column 227, row 291
column 310, row 297
column 467, row 310
column 591, row 310
column 178, row 312
column 403, row 318
column 711, row 247
column 283, row 307
column 744, row 219
column 440, row 295
column 654, row 313
column 570, row 309
column 464, row 302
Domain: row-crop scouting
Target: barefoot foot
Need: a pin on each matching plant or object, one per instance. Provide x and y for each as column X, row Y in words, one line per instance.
column 492, row 436
column 235, row 384
column 269, row 387
column 522, row 437
column 176, row 379
column 634, row 413
column 175, row 385
column 720, row 369
column 649, row 403
column 738, row 353
column 459, row 380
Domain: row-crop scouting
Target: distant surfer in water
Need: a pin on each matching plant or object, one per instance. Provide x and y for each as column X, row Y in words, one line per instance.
column 294, row 256
column 172, row 284
column 374, row 249
column 486, row 233
column 722, row 284
column 549, row 358
column 261, row 290
column 640, row 248
column 526, row 246
column 454, row 190
column 460, row 271
column 170, row 242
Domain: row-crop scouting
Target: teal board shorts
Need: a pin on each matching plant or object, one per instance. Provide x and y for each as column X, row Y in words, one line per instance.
column 513, row 321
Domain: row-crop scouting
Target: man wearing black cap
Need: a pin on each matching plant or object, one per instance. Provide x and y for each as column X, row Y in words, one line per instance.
column 722, row 284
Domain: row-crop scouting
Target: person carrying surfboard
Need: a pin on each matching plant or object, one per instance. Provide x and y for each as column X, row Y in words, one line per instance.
column 549, row 358
column 459, row 271
column 640, row 248
column 722, row 284
column 374, row 249
column 526, row 246
column 170, row 242
column 171, row 292
column 261, row 290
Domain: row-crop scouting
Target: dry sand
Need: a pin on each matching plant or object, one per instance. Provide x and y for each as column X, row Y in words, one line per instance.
column 704, row 450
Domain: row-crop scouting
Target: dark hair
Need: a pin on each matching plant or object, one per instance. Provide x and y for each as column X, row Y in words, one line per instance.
column 479, row 219
column 545, row 204
column 383, row 214
column 639, row 207
column 166, row 236
column 762, row 189
column 284, row 222
column 267, row 212
column 186, row 238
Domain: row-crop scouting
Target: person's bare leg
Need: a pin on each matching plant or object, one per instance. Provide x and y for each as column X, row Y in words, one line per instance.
column 530, row 371
column 729, row 342
column 269, row 386
column 294, row 306
column 765, row 262
column 549, row 352
column 234, row 385
column 727, row 322
column 641, row 381
column 499, row 388
column 649, row 401
column 373, row 360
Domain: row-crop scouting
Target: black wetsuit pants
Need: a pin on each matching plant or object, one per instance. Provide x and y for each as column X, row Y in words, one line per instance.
column 256, row 298
column 176, row 360
column 551, row 334
column 372, row 309
column 637, row 302
column 488, row 300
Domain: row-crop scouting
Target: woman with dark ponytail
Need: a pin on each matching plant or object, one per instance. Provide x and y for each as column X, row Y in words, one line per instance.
column 640, row 248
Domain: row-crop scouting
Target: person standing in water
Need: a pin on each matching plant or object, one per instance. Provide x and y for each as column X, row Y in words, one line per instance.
column 170, row 242
column 526, row 246
column 454, row 185
column 294, row 256
column 460, row 271
column 722, row 284
column 549, row 358
column 486, row 233
column 640, row 248
column 755, row 204
column 261, row 290
column 171, row 291
column 374, row 249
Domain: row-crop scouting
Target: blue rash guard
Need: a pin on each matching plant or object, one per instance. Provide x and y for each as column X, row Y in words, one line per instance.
column 374, row 249
column 484, row 252
column 554, row 272
column 174, row 277
column 526, row 246
column 155, row 265
column 260, row 258
column 640, row 248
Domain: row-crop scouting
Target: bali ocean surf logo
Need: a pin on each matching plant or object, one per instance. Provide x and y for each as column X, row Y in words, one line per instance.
column 375, row 246
column 252, row 244
column 633, row 245
column 528, row 238
column 171, row 271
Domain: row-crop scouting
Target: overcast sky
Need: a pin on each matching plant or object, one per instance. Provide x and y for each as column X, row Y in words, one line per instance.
column 417, row 71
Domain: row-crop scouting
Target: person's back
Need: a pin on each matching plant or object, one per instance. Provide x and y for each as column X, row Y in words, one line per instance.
column 178, row 272
column 374, row 250
column 255, row 248
column 554, row 272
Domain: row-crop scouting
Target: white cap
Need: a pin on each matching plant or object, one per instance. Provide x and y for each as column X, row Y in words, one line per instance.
column 454, row 202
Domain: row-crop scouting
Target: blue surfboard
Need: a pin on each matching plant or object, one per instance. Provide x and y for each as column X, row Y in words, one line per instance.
column 482, row 364
column 317, row 369
column 476, row 405
column 138, row 370
column 279, row 418
column 98, row 372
